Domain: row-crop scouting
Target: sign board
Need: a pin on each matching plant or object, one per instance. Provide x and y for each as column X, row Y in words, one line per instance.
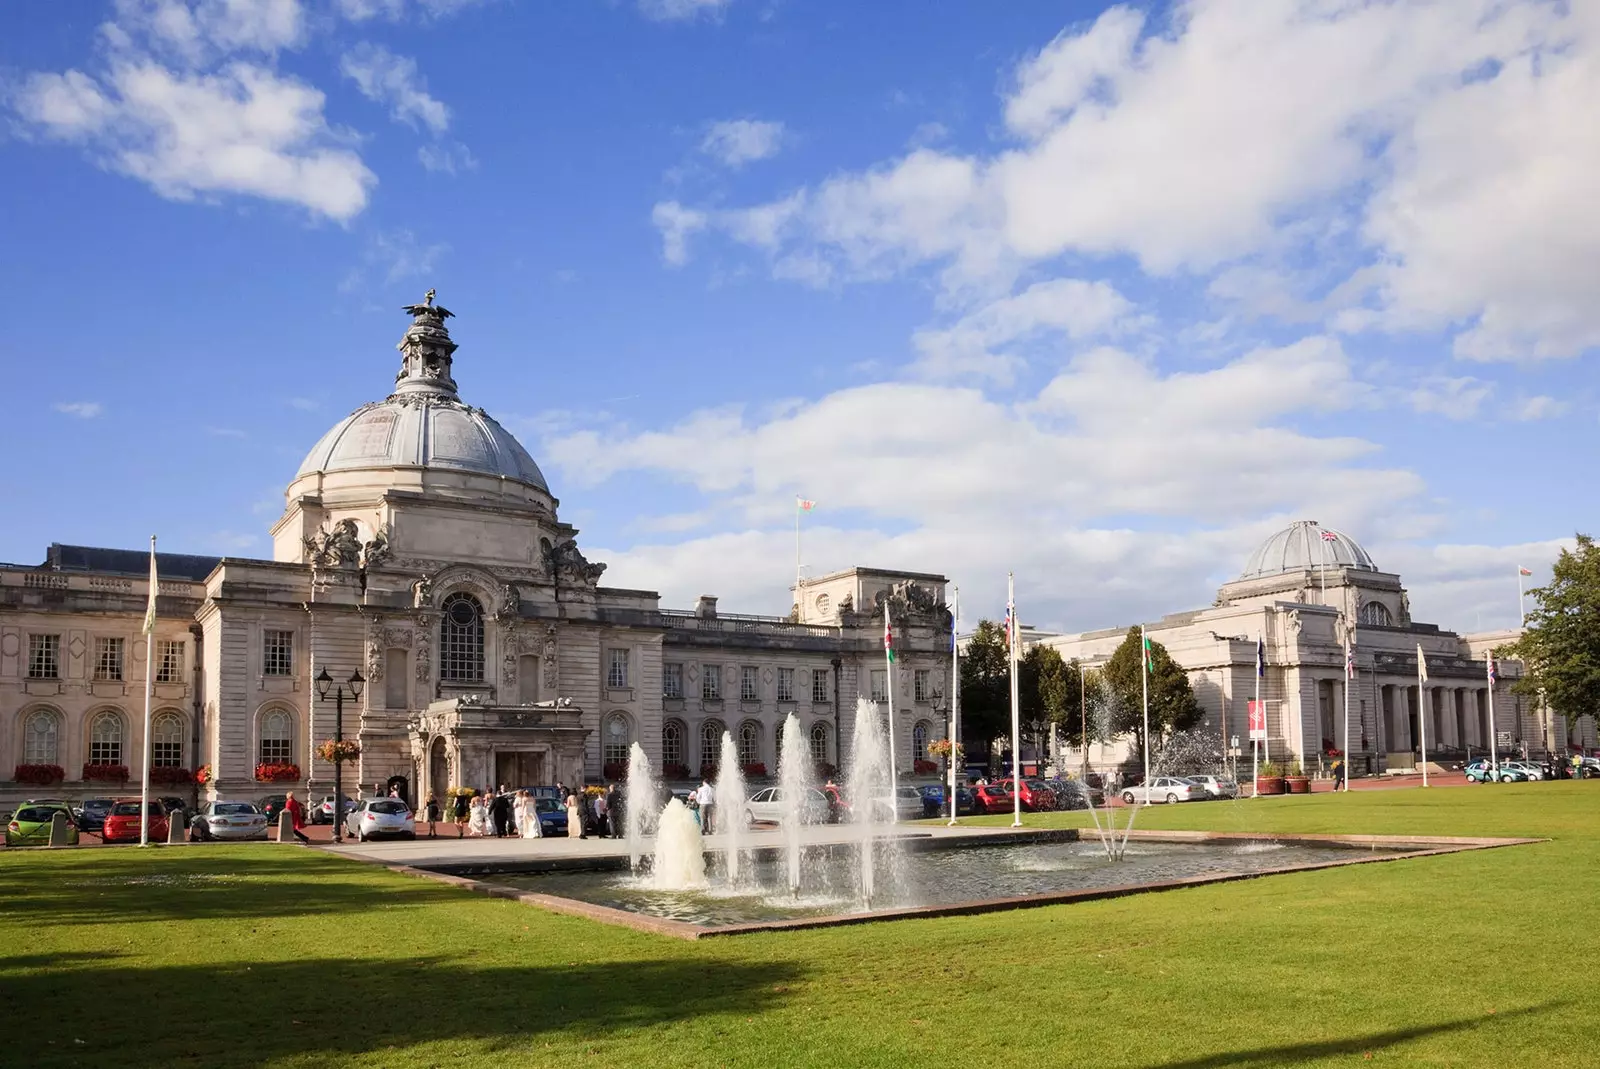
column 1258, row 720
column 1504, row 738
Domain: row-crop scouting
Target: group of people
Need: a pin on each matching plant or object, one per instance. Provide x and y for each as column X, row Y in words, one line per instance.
column 513, row 814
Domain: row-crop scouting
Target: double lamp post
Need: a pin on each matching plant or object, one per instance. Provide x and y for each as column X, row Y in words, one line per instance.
column 325, row 685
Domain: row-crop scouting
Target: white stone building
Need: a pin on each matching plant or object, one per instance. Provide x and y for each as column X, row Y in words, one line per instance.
column 1299, row 593
column 420, row 545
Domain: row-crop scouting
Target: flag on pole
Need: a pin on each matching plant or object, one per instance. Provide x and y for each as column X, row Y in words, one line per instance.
column 1422, row 664
column 150, row 610
column 888, row 635
column 1524, row 571
column 1329, row 536
column 1149, row 665
column 803, row 505
column 1010, row 624
column 1349, row 661
column 1261, row 659
column 1494, row 673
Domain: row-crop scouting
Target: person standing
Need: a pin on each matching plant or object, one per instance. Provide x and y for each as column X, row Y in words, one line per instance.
column 500, row 813
column 432, row 811
column 708, row 807
column 1338, row 774
column 478, row 822
column 460, row 815
column 574, row 818
column 602, row 815
column 614, row 810
column 297, row 817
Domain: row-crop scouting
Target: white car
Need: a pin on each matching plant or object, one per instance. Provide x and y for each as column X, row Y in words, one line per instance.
column 227, row 820
column 766, row 806
column 378, row 817
column 1164, row 789
column 906, row 804
column 1216, row 786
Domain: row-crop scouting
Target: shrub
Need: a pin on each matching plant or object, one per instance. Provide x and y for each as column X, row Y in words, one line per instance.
column 165, row 774
column 41, row 775
column 106, row 773
column 277, row 773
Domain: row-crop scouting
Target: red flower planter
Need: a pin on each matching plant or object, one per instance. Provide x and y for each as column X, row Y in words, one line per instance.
column 1270, row 785
column 105, row 773
column 1298, row 784
column 39, row 775
column 277, row 773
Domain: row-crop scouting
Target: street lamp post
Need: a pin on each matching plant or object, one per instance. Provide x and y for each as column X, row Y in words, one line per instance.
column 324, row 685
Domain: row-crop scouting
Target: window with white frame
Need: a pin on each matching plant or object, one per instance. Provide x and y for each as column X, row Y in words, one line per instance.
column 277, row 653
column 711, row 742
column 672, row 743
column 461, row 639
column 618, row 736
column 672, row 680
column 277, row 738
column 42, row 734
column 166, row 740
column 922, row 685
column 749, row 684
column 786, row 684
column 819, row 743
column 616, row 669
column 1375, row 614
column 749, row 742
column 711, row 682
column 108, row 660
column 880, row 685
column 919, row 741
column 44, row 656
column 105, row 739
column 169, row 661
column 819, row 685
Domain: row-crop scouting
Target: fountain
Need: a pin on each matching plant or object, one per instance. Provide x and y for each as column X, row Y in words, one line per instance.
column 639, row 803
column 680, row 859
column 794, row 779
column 730, row 808
column 869, row 784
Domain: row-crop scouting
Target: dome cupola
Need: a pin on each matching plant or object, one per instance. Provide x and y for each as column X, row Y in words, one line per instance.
column 1304, row 546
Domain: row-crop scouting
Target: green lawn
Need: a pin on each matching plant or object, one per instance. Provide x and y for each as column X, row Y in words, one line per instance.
column 280, row 956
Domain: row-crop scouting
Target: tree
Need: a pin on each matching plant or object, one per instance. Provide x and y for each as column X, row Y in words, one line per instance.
column 1560, row 647
column 985, row 685
column 1172, row 702
column 1042, row 693
column 1086, row 701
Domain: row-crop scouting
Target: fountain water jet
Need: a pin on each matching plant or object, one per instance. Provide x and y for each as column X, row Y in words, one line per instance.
column 680, row 859
column 638, row 804
column 869, row 785
column 794, row 779
column 730, row 808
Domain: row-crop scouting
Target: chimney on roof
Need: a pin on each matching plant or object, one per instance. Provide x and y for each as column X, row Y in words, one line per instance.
column 705, row 606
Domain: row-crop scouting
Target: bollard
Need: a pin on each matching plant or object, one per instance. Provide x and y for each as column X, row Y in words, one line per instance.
column 177, row 825
column 285, row 827
column 58, row 829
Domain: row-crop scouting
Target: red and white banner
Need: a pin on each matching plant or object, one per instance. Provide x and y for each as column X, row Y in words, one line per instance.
column 1258, row 720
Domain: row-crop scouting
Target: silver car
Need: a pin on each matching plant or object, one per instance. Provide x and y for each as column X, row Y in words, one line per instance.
column 231, row 821
column 378, row 817
column 1216, row 786
column 906, row 804
column 1164, row 789
column 766, row 806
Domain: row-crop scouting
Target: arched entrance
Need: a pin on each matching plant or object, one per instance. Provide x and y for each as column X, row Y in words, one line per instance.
column 438, row 769
column 402, row 785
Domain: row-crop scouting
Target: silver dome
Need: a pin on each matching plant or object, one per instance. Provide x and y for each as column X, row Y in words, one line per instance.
column 424, row 432
column 1301, row 547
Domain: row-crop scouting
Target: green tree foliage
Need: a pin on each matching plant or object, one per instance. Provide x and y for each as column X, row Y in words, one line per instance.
column 1561, row 646
column 1042, row 697
column 1086, row 700
column 985, row 685
column 1173, row 706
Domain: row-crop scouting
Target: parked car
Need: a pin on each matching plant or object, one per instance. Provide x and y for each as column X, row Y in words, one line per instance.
column 1170, row 789
column 271, row 806
column 92, row 816
column 904, row 804
column 175, row 804
column 322, row 812
column 993, row 798
column 227, row 820
column 1528, row 768
column 122, row 823
column 1036, row 797
column 552, row 815
column 767, row 805
column 30, row 824
column 1075, row 794
column 379, row 817
column 1481, row 771
column 1216, row 786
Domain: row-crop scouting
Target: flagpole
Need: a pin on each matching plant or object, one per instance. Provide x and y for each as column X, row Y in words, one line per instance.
column 1522, row 607
column 955, row 697
column 894, row 757
column 149, row 691
column 1144, row 682
column 1349, row 674
column 1255, row 743
column 1494, row 743
column 797, row 550
column 1016, row 707
column 1422, row 706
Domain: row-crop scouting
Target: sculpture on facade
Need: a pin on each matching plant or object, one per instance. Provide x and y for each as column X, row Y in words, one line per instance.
column 570, row 565
column 420, row 591
column 427, row 308
column 550, row 656
column 510, row 606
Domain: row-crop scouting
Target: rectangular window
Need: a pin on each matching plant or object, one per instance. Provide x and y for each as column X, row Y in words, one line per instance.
column 108, row 660
column 819, row 684
column 672, row 681
column 616, row 669
column 277, row 653
column 880, row 685
column 786, row 684
column 169, row 661
column 922, row 685
column 711, row 682
column 276, row 751
column 44, row 656
column 749, row 685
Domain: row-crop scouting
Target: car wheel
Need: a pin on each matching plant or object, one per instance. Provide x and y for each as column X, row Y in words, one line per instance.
column 1172, row 799
column 1127, row 796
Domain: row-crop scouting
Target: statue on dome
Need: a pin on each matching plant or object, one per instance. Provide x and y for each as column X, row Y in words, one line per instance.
column 427, row 308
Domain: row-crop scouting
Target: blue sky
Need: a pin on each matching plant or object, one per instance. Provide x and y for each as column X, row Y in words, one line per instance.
column 1104, row 295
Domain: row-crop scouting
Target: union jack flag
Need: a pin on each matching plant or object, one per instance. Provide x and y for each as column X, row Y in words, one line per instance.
column 1494, row 673
column 1349, row 662
column 1329, row 536
column 1011, row 612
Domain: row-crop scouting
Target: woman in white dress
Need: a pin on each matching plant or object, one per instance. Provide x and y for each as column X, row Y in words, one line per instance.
column 528, row 816
column 478, row 822
column 574, row 818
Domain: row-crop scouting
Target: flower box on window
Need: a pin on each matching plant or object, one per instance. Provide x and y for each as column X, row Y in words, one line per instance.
column 40, row 775
column 755, row 769
column 675, row 770
column 924, row 768
column 279, row 773
column 614, row 770
column 708, row 771
column 105, row 773
column 165, row 774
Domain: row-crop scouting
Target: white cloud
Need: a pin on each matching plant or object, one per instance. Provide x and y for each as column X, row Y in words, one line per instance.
column 393, row 256
column 1067, row 306
column 1065, row 72
column 80, row 409
column 395, row 10
column 1467, row 587
column 198, row 31
column 447, row 159
column 682, row 10
column 244, row 130
column 1540, row 407
column 395, row 81
column 1454, row 398
column 736, row 142
column 676, row 223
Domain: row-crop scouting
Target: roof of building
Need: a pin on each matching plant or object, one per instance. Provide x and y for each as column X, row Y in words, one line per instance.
column 61, row 558
column 1306, row 545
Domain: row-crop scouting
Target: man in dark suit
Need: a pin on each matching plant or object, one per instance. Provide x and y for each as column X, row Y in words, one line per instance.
column 500, row 813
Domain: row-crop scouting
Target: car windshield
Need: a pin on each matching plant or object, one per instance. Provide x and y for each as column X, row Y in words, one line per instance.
column 125, row 809
column 97, row 805
column 233, row 808
column 391, row 806
column 35, row 815
column 547, row 805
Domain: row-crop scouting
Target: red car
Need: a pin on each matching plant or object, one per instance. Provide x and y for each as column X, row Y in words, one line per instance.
column 122, row 823
column 1036, row 797
column 994, row 798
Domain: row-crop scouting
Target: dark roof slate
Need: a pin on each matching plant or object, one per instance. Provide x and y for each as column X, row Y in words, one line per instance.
column 128, row 562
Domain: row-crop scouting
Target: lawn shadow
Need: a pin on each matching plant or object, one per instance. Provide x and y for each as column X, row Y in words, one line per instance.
column 1289, row 1053
column 241, row 1015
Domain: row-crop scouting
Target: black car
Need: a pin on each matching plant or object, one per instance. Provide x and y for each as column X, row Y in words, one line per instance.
column 934, row 805
column 272, row 805
column 92, row 817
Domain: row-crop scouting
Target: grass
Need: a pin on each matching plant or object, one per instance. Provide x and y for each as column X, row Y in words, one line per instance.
column 279, row 956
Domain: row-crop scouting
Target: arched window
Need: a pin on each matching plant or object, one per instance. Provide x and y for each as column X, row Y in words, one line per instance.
column 1376, row 613
column 919, row 741
column 43, row 733
column 615, row 738
column 819, row 743
column 711, row 742
column 672, row 743
column 166, row 740
column 461, row 639
column 277, row 738
column 749, row 742
column 105, row 739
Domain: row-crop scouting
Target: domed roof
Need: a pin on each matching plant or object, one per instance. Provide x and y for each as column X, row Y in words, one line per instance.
column 424, row 424
column 1305, row 545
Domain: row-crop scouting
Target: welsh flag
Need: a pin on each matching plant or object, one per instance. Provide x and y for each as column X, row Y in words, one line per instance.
column 888, row 636
column 1149, row 663
column 803, row 505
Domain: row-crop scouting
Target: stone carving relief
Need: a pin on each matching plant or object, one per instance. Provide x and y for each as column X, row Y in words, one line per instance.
column 420, row 592
column 509, row 606
column 424, row 650
column 572, row 567
column 550, row 673
column 340, row 546
column 909, row 599
column 1293, row 622
column 375, row 650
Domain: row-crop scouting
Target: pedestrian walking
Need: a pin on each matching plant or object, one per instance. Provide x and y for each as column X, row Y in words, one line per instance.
column 460, row 815
column 478, row 821
column 297, row 816
column 432, row 812
column 1338, row 775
